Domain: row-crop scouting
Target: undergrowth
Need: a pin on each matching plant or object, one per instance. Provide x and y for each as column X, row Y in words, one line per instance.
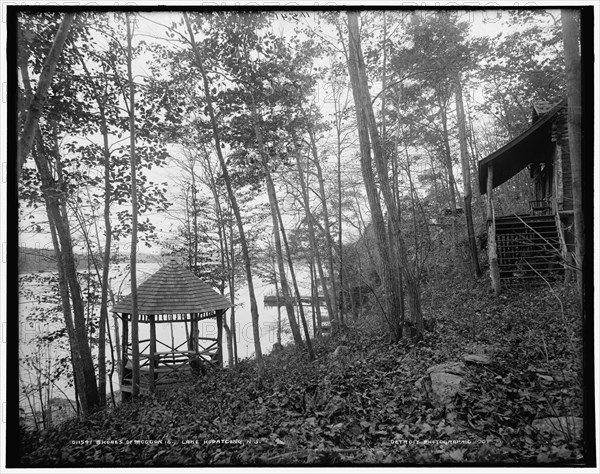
column 363, row 407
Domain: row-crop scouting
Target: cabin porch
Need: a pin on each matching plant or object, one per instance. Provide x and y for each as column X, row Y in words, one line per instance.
column 528, row 248
column 531, row 247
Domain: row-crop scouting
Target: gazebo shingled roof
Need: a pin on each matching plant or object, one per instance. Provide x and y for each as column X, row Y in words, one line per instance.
column 174, row 290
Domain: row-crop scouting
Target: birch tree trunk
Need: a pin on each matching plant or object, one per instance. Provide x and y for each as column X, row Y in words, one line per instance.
column 272, row 194
column 83, row 365
column 37, row 100
column 234, row 206
column 81, row 359
column 295, row 284
column 396, row 254
column 135, row 348
column 313, row 241
column 330, row 244
column 466, row 171
column 107, row 242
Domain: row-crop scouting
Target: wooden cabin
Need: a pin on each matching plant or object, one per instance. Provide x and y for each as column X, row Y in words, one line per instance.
column 173, row 298
column 534, row 245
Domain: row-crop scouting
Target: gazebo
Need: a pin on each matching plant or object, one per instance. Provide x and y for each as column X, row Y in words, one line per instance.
column 173, row 296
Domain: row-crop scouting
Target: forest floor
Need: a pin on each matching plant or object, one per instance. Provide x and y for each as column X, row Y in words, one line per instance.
column 363, row 407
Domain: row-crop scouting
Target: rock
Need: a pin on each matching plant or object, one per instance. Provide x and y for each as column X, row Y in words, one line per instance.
column 421, row 383
column 341, row 351
column 456, row 368
column 562, row 425
column 444, row 386
column 546, row 378
column 477, row 359
column 442, row 382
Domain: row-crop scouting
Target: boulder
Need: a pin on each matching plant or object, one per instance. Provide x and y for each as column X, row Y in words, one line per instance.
column 442, row 382
column 456, row 368
column 444, row 386
column 477, row 359
column 561, row 425
column 421, row 384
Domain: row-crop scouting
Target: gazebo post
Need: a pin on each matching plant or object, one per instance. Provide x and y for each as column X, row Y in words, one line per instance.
column 152, row 351
column 193, row 343
column 220, row 336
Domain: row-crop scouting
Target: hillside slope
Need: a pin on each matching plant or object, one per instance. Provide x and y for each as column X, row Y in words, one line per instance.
column 363, row 406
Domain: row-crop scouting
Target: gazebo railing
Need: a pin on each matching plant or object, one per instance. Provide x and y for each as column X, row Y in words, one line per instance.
column 171, row 365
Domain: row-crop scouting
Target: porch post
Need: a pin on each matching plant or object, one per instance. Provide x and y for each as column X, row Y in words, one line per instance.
column 220, row 336
column 492, row 252
column 152, row 351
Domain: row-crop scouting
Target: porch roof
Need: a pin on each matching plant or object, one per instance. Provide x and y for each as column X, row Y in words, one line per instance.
column 534, row 145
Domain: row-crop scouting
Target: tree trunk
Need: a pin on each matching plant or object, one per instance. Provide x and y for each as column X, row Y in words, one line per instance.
column 135, row 348
column 228, row 335
column 36, row 105
column 397, row 256
column 448, row 157
column 272, row 195
column 82, row 363
column 105, row 267
column 76, row 360
column 81, row 323
column 385, row 251
column 468, row 194
column 81, row 358
column 295, row 284
column 573, row 67
column 313, row 299
column 232, row 294
column 106, row 254
column 234, row 206
column 451, row 178
column 195, row 210
column 313, row 240
column 107, row 243
column 330, row 244
column 277, row 295
column 340, row 107
column 225, row 257
column 220, row 317
column 492, row 254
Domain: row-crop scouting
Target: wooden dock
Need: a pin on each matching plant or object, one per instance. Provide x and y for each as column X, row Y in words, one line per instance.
column 279, row 300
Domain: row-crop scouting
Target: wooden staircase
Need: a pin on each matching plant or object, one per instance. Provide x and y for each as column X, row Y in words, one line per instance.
column 528, row 248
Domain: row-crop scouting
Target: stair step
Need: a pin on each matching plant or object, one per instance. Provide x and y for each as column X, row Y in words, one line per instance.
column 509, row 227
column 523, row 229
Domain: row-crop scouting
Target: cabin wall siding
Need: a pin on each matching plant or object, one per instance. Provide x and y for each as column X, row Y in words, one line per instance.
column 560, row 132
